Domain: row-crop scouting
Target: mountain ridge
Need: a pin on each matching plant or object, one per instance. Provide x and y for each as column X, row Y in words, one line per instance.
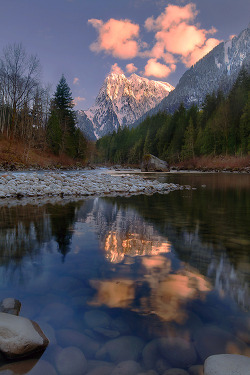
column 120, row 102
column 218, row 70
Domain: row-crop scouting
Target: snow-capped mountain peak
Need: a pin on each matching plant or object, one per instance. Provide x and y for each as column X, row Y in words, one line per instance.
column 120, row 102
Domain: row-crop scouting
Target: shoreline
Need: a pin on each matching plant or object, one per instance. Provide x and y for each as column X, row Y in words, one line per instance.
column 79, row 184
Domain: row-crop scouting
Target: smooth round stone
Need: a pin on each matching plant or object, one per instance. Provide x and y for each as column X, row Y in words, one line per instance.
column 126, row 367
column 150, row 354
column 106, row 332
column 57, row 314
column 97, row 318
column 119, row 324
column 196, row 370
column 228, row 364
column 178, row 352
column 212, row 340
column 99, row 367
column 162, row 365
column 71, row 361
column 175, row 371
column 42, row 368
column 70, row 337
column 121, row 349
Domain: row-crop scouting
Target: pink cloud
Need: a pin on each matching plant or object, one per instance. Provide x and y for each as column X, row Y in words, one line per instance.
column 116, row 37
column 200, row 52
column 156, row 69
column 116, row 69
column 75, row 81
column 181, row 39
column 172, row 16
column 131, row 68
column 77, row 100
column 177, row 38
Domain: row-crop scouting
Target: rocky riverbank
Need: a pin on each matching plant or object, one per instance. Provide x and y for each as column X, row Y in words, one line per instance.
column 78, row 184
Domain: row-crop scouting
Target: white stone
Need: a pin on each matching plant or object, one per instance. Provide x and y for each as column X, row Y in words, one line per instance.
column 20, row 336
column 228, row 364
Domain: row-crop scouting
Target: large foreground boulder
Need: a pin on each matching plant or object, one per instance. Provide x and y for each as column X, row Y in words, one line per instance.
column 20, row 337
column 151, row 163
column 228, row 364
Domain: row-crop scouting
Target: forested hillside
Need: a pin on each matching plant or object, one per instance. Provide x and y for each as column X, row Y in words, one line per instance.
column 222, row 127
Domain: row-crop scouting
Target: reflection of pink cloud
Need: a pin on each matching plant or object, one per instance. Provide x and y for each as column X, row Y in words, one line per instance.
column 113, row 293
column 116, row 69
column 131, row 68
column 116, row 37
column 156, row 69
column 173, row 15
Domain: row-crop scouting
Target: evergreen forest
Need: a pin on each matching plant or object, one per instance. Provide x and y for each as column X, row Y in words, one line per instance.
column 221, row 127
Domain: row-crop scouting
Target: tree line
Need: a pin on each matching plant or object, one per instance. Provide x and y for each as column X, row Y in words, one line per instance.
column 221, row 127
column 29, row 113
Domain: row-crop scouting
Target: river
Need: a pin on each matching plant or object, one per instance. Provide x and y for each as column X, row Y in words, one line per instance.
column 160, row 280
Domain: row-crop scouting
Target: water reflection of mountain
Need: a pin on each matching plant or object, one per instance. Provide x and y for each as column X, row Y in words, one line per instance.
column 207, row 229
column 122, row 231
column 154, row 225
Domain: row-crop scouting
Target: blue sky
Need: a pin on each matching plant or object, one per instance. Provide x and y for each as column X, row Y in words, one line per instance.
column 86, row 39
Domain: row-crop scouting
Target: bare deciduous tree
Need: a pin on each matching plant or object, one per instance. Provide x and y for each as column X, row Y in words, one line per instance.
column 19, row 78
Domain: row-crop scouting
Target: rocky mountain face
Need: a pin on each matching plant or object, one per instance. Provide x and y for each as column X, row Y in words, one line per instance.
column 121, row 101
column 218, row 70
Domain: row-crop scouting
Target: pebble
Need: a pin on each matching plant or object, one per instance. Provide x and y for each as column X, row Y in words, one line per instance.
column 71, row 360
column 121, row 349
column 78, row 184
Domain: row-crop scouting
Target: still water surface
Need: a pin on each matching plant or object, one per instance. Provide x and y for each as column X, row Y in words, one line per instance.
column 163, row 280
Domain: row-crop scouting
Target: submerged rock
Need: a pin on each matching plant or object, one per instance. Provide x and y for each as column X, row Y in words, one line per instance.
column 127, row 367
column 20, row 337
column 178, row 352
column 229, row 364
column 121, row 349
column 151, row 163
column 71, row 360
column 212, row 340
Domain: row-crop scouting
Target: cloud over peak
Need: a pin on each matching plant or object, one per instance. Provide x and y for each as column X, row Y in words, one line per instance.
column 177, row 38
column 116, row 37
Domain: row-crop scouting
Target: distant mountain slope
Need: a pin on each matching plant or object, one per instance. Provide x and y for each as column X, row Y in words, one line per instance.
column 217, row 70
column 120, row 102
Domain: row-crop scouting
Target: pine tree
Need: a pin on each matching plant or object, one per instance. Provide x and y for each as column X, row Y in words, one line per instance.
column 62, row 134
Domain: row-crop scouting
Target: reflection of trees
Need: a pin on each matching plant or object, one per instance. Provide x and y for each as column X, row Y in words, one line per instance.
column 26, row 229
column 62, row 218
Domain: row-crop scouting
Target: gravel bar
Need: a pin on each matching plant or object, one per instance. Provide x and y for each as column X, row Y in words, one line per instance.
column 65, row 184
